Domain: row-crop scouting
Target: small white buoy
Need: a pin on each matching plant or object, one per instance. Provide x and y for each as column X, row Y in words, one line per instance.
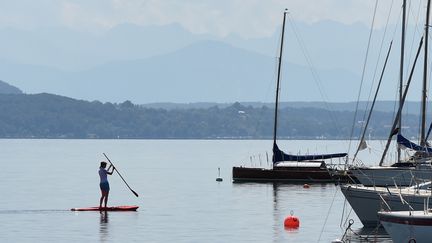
column 219, row 179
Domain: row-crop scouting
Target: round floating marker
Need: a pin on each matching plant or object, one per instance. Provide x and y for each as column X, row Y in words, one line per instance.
column 291, row 222
column 219, row 179
column 306, row 186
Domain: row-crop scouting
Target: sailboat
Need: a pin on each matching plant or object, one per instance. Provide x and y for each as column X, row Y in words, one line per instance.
column 408, row 226
column 385, row 187
column 286, row 167
column 417, row 168
column 367, row 201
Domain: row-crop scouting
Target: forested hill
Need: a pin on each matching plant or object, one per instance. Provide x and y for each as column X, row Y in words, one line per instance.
column 53, row 116
column 6, row 88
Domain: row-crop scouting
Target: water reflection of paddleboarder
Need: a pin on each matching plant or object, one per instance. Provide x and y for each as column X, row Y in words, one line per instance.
column 103, row 227
column 104, row 185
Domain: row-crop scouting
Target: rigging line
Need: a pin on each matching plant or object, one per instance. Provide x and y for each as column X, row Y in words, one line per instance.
column 416, row 27
column 381, row 47
column 313, row 71
column 362, row 77
column 266, row 95
column 416, row 33
column 269, row 87
column 429, row 37
column 374, row 100
column 347, row 216
column 398, row 114
column 279, row 78
column 427, row 97
column 419, row 125
column 376, row 66
column 396, row 27
column 260, row 121
column 425, row 83
column 305, row 54
column 343, row 211
column 328, row 213
column 275, row 71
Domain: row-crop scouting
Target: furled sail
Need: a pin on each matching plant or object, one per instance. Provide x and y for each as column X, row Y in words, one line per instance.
column 279, row 155
column 401, row 140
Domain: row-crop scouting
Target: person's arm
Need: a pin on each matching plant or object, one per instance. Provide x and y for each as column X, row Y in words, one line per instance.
column 112, row 171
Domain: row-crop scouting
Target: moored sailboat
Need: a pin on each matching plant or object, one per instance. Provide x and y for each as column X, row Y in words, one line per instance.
column 417, row 167
column 286, row 167
column 385, row 188
column 408, row 226
column 366, row 201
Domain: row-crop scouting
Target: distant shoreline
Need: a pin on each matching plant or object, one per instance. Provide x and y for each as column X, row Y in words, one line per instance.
column 210, row 139
column 47, row 116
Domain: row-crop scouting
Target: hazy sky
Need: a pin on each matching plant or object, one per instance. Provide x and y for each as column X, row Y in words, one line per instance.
column 218, row 17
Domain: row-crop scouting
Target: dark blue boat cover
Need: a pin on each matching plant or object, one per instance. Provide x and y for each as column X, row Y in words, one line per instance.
column 279, row 155
column 408, row 144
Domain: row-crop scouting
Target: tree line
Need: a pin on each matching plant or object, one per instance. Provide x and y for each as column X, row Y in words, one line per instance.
column 53, row 116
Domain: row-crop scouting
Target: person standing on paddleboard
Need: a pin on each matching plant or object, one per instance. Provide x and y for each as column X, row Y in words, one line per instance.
column 104, row 185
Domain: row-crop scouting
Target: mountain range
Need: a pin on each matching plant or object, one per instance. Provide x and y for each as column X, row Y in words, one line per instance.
column 147, row 64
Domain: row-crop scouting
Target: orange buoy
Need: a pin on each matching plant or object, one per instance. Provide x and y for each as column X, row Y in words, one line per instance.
column 306, row 186
column 292, row 222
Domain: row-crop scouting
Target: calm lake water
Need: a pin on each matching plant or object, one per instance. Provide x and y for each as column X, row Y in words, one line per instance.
column 180, row 201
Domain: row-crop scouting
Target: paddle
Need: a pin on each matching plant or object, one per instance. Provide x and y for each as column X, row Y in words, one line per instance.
column 136, row 194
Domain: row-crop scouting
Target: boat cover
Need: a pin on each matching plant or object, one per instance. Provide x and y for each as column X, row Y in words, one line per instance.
column 401, row 140
column 279, row 155
column 299, row 164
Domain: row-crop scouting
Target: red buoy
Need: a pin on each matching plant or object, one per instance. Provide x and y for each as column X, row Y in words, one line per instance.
column 291, row 222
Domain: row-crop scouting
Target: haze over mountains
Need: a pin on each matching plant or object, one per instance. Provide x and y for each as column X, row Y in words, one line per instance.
column 170, row 64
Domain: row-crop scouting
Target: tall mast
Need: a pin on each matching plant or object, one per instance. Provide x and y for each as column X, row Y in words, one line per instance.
column 424, row 90
column 399, row 112
column 278, row 79
column 401, row 73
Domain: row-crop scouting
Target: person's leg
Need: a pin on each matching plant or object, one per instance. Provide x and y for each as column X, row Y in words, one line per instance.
column 103, row 198
column 106, row 198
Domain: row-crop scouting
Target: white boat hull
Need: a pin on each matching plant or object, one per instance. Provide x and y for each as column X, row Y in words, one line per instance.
column 405, row 226
column 388, row 176
column 366, row 201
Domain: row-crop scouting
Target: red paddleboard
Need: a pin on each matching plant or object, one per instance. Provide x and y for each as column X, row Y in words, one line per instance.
column 116, row 208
